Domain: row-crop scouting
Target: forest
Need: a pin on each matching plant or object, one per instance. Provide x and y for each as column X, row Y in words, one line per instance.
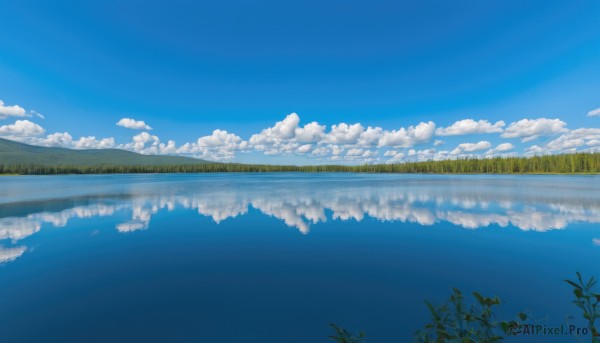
column 577, row 163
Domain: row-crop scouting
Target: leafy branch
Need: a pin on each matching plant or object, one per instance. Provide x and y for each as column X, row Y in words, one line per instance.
column 343, row 336
column 588, row 302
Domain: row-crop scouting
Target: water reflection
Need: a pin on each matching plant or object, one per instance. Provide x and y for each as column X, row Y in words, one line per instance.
column 10, row 254
column 471, row 204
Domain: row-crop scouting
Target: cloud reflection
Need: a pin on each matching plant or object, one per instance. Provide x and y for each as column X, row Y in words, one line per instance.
column 11, row 254
column 302, row 204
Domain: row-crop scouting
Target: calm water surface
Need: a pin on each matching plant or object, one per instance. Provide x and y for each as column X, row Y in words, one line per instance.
column 276, row 257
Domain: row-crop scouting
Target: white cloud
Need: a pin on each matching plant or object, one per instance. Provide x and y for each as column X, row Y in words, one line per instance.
column 370, row 136
column 588, row 139
column 311, row 132
column 133, row 124
column 500, row 148
column 396, row 138
column 422, row 132
column 471, row 147
column 91, row 142
column 143, row 143
column 39, row 115
column 65, row 140
column 395, row 156
column 343, row 143
column 355, row 152
column 504, row 147
column 594, row 113
column 21, row 128
column 304, row 148
column 220, row 138
column 530, row 129
column 11, row 111
column 287, row 137
column 283, row 130
column 404, row 138
column 470, row 126
column 57, row 139
column 535, row 150
column 220, row 146
column 344, row 133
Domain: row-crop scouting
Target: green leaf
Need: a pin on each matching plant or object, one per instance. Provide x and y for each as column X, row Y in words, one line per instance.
column 479, row 298
column 443, row 333
column 573, row 284
column 591, row 283
column 431, row 309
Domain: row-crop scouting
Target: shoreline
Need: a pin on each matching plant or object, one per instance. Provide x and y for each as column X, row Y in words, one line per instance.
column 305, row 172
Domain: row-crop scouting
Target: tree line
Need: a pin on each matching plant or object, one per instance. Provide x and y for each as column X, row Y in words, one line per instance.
column 577, row 163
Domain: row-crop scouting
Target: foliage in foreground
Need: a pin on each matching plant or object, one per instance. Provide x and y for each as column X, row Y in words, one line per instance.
column 454, row 321
column 588, row 302
column 566, row 164
column 344, row 336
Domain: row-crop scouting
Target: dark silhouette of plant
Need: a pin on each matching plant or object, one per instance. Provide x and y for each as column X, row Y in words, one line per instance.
column 588, row 302
column 455, row 321
column 343, row 336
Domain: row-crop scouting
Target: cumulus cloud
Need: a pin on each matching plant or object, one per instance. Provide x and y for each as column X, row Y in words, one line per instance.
column 11, row 111
column 90, row 142
column 500, row 148
column 588, row 139
column 311, row 132
column 530, row 129
column 285, row 129
column 304, row 148
column 65, row 140
column 133, row 124
column 147, row 144
column 219, row 146
column 370, row 136
column 21, row 128
column 344, row 133
column 343, row 142
column 471, row 147
column 403, row 138
column 594, row 113
column 354, row 152
column 470, row 126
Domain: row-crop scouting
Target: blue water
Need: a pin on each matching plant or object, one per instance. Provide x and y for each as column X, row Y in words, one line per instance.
column 277, row 257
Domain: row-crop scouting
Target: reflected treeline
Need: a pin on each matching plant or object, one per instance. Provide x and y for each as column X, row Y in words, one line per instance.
column 468, row 203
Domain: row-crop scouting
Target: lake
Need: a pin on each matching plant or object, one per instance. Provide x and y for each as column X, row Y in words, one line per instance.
column 277, row 257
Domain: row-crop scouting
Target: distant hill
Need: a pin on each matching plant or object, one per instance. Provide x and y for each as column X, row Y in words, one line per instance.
column 12, row 153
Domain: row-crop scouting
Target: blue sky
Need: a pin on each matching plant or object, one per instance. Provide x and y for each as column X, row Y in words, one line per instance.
column 189, row 68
